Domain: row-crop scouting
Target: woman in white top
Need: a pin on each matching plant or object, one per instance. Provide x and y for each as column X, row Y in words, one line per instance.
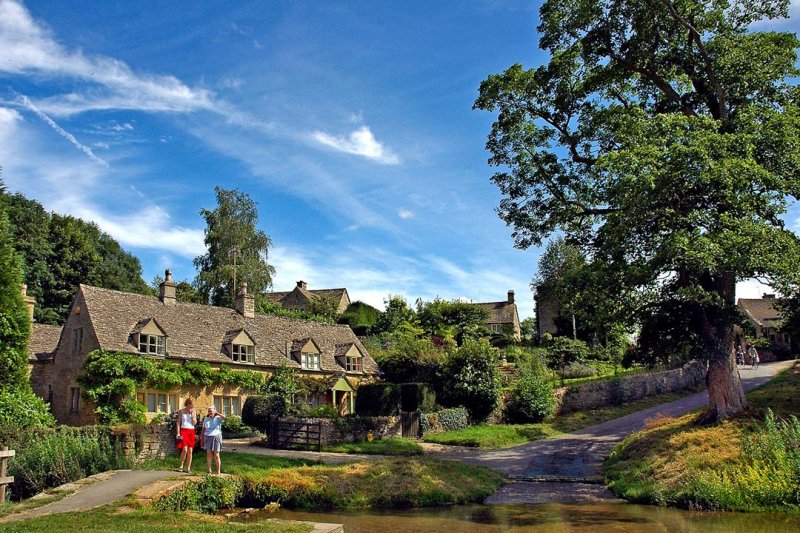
column 185, row 434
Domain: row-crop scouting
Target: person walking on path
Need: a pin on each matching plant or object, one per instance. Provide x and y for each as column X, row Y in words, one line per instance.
column 211, row 438
column 753, row 357
column 185, row 434
column 739, row 356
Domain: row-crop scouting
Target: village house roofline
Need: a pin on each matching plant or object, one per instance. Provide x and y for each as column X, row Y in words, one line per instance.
column 500, row 312
column 197, row 332
column 43, row 342
column 761, row 311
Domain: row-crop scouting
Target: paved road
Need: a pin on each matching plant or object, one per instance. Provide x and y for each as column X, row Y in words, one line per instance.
column 578, row 457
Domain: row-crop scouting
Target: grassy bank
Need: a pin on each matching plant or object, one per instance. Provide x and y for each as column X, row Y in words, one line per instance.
column 238, row 464
column 504, row 435
column 127, row 520
column 744, row 464
column 394, row 446
column 380, row 484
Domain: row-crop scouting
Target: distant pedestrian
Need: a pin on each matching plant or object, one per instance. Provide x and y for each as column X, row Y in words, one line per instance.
column 753, row 354
column 739, row 356
column 185, row 435
column 212, row 437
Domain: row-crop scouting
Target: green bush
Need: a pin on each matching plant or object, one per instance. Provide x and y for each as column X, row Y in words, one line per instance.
column 444, row 420
column 417, row 396
column 532, row 398
column 378, row 399
column 48, row 458
column 470, row 377
column 234, row 425
column 205, row 496
column 257, row 410
column 22, row 409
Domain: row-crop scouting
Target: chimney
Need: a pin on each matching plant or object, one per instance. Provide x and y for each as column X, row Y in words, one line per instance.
column 167, row 292
column 30, row 301
column 302, row 284
column 245, row 303
column 511, row 297
column 769, row 296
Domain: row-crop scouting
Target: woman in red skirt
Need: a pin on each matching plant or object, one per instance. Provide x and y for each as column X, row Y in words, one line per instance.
column 185, row 436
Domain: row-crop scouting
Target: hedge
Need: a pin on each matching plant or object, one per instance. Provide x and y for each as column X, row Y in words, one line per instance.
column 444, row 420
column 417, row 396
column 378, row 399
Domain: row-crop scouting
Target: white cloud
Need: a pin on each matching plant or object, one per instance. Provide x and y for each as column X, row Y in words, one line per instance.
column 360, row 142
column 30, row 49
column 9, row 118
column 752, row 289
column 58, row 129
column 405, row 214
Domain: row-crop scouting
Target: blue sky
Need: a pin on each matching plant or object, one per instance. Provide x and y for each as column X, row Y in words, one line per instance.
column 350, row 123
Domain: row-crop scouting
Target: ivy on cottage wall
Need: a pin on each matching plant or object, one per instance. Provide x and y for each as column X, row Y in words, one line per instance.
column 111, row 379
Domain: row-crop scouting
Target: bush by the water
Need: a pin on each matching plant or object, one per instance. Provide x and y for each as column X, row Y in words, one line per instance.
column 49, row 458
column 205, row 496
column 532, row 398
column 444, row 420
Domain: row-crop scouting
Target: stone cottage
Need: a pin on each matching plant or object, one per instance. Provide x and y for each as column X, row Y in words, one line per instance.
column 503, row 316
column 298, row 298
column 164, row 328
column 765, row 318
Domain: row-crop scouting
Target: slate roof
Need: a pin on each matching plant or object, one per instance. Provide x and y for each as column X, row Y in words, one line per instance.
column 316, row 293
column 43, row 342
column 500, row 312
column 762, row 311
column 197, row 332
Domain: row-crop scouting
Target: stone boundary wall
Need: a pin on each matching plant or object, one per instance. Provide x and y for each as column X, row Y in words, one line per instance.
column 141, row 443
column 626, row 389
column 351, row 429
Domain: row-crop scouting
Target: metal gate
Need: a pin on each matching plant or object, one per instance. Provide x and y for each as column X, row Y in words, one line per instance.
column 410, row 421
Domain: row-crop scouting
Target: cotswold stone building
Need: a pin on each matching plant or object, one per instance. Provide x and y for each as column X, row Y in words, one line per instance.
column 162, row 327
column 765, row 320
column 298, row 298
column 503, row 316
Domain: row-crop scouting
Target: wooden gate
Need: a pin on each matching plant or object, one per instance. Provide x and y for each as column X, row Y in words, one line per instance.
column 287, row 434
column 410, row 421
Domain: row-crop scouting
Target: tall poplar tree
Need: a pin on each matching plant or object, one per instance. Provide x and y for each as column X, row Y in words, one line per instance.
column 234, row 246
column 663, row 137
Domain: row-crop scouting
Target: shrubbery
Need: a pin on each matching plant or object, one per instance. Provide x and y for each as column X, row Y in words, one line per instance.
column 378, row 399
column 532, row 398
column 22, row 409
column 470, row 376
column 49, row 458
column 257, row 410
column 444, row 420
column 233, row 425
column 205, row 496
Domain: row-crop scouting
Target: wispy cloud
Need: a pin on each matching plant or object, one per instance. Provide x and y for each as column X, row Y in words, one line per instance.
column 360, row 142
column 22, row 99
column 405, row 214
column 29, row 49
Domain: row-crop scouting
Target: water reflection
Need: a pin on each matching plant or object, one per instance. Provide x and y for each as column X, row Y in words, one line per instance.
column 545, row 518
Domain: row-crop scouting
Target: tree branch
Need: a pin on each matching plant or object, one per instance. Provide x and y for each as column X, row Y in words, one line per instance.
column 653, row 76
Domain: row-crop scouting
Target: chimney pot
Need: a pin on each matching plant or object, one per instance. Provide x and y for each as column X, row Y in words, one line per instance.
column 302, row 284
column 511, row 297
column 30, row 301
column 167, row 293
column 245, row 303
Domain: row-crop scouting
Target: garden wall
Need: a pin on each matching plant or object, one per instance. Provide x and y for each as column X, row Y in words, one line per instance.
column 620, row 390
column 141, row 443
column 350, row 429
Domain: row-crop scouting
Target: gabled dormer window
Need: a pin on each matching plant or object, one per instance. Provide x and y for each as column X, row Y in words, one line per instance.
column 239, row 346
column 354, row 364
column 152, row 344
column 309, row 360
column 307, row 353
column 349, row 357
column 149, row 338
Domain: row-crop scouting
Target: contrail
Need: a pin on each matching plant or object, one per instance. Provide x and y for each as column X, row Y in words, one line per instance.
column 58, row 129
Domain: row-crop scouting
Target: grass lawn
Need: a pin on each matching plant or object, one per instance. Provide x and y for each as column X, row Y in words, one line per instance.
column 504, row 435
column 109, row 518
column 232, row 463
column 8, row 508
column 684, row 462
column 395, row 446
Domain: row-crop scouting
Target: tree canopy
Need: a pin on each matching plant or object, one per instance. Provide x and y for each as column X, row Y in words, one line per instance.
column 232, row 236
column 662, row 138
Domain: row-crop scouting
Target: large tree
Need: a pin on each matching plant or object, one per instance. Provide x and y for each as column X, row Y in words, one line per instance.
column 662, row 137
column 232, row 238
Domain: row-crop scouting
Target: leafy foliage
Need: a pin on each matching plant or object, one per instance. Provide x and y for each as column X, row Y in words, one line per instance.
column 361, row 317
column 404, row 356
column 444, row 420
column 257, row 410
column 661, row 138
column 205, row 496
column 59, row 252
column 232, row 227
column 378, row 399
column 111, row 378
column 453, row 320
column 396, row 313
column 268, row 307
column 14, row 322
column 470, row 377
column 532, row 398
column 22, row 409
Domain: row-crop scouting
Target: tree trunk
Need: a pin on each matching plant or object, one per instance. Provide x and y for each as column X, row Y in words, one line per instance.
column 725, row 393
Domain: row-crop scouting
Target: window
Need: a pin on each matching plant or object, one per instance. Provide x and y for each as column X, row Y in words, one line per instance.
column 242, row 353
column 227, row 405
column 77, row 340
column 152, row 344
column 311, row 401
column 309, row 361
column 496, row 328
column 354, row 364
column 74, row 399
column 49, row 394
column 158, row 402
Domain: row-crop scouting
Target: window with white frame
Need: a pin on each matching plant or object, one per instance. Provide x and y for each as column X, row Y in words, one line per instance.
column 227, row 405
column 496, row 328
column 152, row 344
column 242, row 353
column 158, row 402
column 309, row 361
column 353, row 364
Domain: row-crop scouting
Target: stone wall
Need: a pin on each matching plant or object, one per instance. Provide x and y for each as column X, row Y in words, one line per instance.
column 351, row 429
column 631, row 388
column 141, row 443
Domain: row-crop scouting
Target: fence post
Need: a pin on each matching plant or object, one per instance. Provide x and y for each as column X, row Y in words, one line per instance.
column 5, row 453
